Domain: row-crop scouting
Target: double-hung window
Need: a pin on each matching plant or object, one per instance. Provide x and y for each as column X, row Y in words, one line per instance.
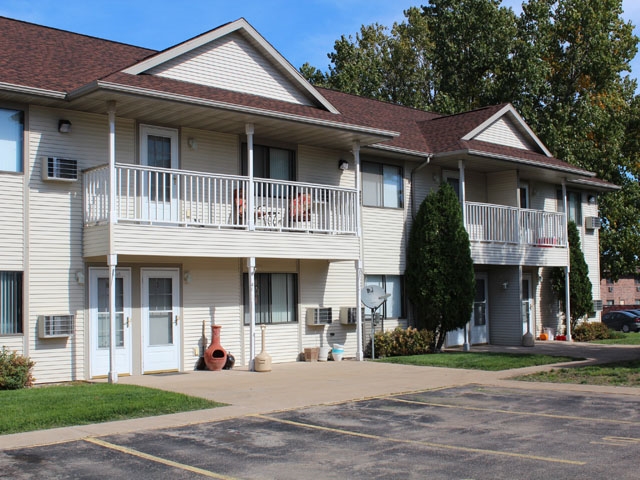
column 270, row 162
column 391, row 284
column 11, row 140
column 381, row 185
column 10, row 303
column 276, row 298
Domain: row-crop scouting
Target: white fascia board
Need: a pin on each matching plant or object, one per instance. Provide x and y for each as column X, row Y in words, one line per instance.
column 509, row 158
column 508, row 109
column 595, row 185
column 116, row 87
column 240, row 24
column 42, row 92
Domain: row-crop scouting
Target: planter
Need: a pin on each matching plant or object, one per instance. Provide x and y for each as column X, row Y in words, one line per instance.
column 215, row 356
column 311, row 354
column 324, row 354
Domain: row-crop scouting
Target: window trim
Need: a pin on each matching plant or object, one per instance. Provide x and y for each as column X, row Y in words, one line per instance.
column 245, row 299
column 400, row 192
column 403, row 308
column 19, row 303
column 23, row 139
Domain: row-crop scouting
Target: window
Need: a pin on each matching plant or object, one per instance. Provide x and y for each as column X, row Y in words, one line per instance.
column 276, row 298
column 574, row 201
column 610, row 302
column 11, row 143
column 10, row 302
column 381, row 185
column 524, row 195
column 270, row 162
column 392, row 284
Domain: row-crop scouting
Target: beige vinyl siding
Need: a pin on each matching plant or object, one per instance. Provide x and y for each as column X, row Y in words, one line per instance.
column 317, row 165
column 55, row 232
column 213, row 296
column 232, row 63
column 502, row 188
column 542, row 196
column 475, row 187
column 206, row 242
column 505, row 319
column 214, row 152
column 504, row 132
column 13, row 343
column 384, row 241
column 12, row 231
column 591, row 247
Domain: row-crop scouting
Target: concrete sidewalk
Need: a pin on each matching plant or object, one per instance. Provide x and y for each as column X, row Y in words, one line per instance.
column 301, row 384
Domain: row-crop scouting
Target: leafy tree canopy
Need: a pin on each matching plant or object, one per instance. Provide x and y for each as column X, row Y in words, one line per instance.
column 562, row 63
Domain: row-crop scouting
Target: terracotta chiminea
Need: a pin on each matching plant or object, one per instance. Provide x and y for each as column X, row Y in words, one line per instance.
column 215, row 356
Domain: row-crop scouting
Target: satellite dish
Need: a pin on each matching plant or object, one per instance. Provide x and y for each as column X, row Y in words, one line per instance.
column 373, row 296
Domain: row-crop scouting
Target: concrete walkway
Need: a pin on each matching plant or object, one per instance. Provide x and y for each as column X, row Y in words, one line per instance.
column 300, row 384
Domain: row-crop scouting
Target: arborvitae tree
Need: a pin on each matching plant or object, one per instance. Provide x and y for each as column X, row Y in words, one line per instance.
column 580, row 297
column 439, row 276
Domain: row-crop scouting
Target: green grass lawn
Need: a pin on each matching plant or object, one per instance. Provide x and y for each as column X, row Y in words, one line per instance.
column 492, row 361
column 614, row 374
column 80, row 404
column 624, row 339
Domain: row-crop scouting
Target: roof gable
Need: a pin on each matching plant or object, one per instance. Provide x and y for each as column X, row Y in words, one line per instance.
column 507, row 128
column 234, row 57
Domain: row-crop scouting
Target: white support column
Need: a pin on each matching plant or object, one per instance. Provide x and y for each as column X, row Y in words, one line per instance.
column 250, row 194
column 251, row 265
column 359, row 263
column 567, row 270
column 112, row 257
column 466, row 346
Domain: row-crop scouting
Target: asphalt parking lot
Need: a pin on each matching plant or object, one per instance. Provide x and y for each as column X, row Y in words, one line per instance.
column 467, row 432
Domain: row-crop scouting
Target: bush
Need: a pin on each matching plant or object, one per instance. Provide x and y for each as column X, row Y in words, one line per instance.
column 400, row 342
column 15, row 370
column 586, row 332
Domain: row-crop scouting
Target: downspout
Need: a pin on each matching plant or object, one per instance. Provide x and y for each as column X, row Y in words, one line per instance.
column 567, row 269
column 112, row 257
column 466, row 346
column 359, row 261
column 251, row 262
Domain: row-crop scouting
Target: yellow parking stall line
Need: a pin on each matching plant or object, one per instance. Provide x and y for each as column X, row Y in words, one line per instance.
column 619, row 441
column 440, row 446
column 153, row 458
column 514, row 412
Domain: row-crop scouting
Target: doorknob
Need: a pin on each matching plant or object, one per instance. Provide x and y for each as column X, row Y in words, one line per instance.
column 176, row 320
column 127, row 324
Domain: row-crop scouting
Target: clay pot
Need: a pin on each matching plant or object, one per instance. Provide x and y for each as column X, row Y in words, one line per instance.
column 215, row 356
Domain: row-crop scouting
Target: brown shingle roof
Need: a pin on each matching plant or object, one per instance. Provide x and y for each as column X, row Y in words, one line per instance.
column 41, row 57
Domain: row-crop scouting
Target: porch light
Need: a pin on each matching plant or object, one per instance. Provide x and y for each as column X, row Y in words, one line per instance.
column 187, row 277
column 193, row 143
column 64, row 126
column 343, row 165
column 591, row 199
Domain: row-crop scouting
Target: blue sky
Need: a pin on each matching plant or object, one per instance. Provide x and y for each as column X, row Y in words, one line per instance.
column 301, row 30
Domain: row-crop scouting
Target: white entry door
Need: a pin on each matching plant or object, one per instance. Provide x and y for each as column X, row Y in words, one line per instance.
column 159, row 149
column 100, row 321
column 528, row 312
column 480, row 315
column 161, row 318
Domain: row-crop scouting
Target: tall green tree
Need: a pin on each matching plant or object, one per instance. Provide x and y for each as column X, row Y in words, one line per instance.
column 580, row 297
column 562, row 63
column 439, row 275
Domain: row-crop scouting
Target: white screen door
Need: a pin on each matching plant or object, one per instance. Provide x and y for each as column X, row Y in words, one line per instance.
column 480, row 315
column 528, row 312
column 159, row 150
column 161, row 320
column 99, row 320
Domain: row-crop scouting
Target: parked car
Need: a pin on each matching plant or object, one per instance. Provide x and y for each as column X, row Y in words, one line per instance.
column 624, row 320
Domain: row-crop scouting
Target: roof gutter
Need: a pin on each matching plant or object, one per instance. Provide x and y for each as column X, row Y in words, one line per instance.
column 116, row 87
column 41, row 92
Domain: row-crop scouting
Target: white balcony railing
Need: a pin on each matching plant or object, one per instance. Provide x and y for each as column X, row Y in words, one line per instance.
column 500, row 224
column 178, row 197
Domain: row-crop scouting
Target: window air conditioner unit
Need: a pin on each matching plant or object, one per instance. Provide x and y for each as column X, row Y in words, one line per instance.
column 597, row 305
column 348, row 315
column 56, row 169
column 592, row 223
column 318, row 316
column 55, row 326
